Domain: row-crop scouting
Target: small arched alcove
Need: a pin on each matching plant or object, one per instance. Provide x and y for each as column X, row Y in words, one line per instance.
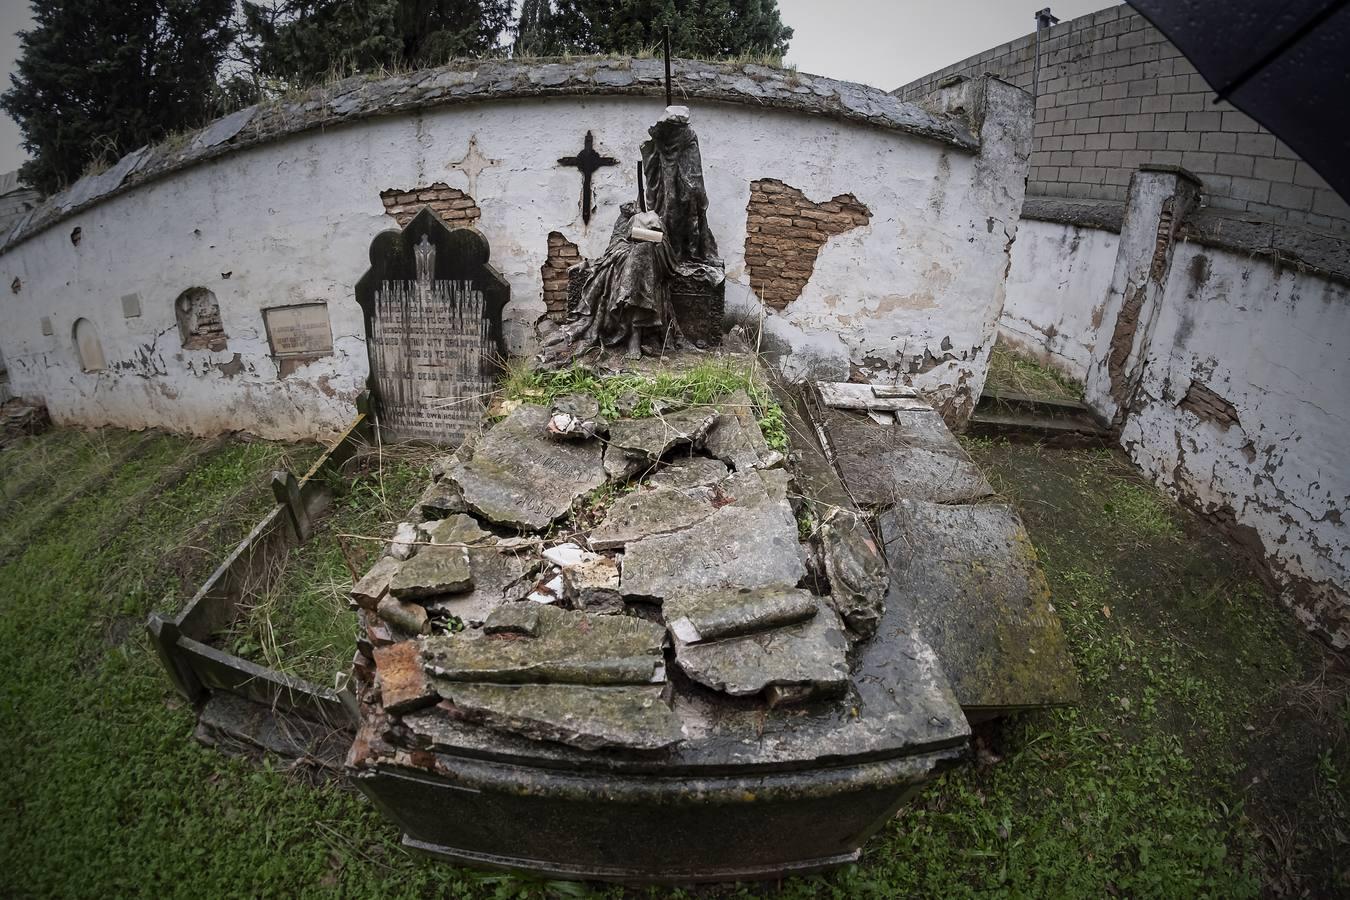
column 88, row 347
column 199, row 324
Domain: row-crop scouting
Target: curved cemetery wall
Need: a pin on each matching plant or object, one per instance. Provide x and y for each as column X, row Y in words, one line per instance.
column 219, row 273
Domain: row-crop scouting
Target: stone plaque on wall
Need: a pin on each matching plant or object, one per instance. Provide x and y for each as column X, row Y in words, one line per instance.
column 299, row 330
column 433, row 309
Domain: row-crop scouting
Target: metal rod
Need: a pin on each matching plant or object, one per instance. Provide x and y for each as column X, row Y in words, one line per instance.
column 665, row 41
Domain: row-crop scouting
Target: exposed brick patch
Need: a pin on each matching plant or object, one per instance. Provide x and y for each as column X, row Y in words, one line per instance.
column 562, row 254
column 456, row 208
column 784, row 233
column 1209, row 406
column 199, row 323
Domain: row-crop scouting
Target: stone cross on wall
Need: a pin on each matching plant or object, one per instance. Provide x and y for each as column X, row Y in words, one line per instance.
column 588, row 161
column 473, row 164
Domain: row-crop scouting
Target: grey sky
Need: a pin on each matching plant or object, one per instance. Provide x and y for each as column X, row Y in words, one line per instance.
column 885, row 43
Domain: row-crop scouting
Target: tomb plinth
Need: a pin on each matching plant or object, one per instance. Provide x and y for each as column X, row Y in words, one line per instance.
column 433, row 315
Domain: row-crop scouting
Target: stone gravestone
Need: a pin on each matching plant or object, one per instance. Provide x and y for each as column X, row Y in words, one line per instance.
column 433, row 316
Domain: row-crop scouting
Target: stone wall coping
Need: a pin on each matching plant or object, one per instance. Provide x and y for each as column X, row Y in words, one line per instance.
column 478, row 81
column 1316, row 252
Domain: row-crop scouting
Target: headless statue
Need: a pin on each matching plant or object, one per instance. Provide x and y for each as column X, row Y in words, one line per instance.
column 625, row 294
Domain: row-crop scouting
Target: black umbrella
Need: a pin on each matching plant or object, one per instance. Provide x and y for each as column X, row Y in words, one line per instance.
column 1285, row 63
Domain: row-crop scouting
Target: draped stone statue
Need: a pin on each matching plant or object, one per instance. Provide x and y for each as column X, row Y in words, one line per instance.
column 624, row 300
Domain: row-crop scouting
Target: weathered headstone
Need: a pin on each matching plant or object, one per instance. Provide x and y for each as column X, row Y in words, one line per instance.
column 433, row 315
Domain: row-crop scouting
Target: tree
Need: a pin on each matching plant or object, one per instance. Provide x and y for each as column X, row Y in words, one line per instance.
column 96, row 79
column 704, row 28
column 301, row 41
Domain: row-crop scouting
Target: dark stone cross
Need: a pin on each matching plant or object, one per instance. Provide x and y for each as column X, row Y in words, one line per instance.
column 588, row 161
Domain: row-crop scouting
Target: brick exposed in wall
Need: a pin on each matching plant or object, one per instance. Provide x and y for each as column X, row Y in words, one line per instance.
column 1114, row 94
column 562, row 254
column 456, row 208
column 1209, row 406
column 784, row 233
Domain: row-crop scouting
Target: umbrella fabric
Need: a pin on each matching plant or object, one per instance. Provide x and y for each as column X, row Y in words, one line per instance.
column 1285, row 63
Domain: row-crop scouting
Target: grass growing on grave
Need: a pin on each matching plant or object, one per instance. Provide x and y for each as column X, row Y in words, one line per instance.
column 297, row 619
column 1208, row 756
column 642, row 396
column 1017, row 373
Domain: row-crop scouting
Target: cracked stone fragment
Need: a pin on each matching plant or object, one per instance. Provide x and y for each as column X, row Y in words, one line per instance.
column 375, row 583
column 713, row 615
column 689, row 473
column 568, row 648
column 593, row 585
column 499, row 576
column 440, row 500
column 564, row 555
column 514, row 618
column 405, row 616
column 810, row 659
column 638, row 444
column 736, row 547
column 589, row 718
column 756, row 486
column 517, row 476
column 456, row 530
column 405, row 541
column 403, row 683
column 856, row 571
column 436, row 570
column 736, row 438
column 644, row 513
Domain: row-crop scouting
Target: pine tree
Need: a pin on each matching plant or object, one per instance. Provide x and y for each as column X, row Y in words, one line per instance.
column 96, row 79
column 302, row 41
column 702, row 28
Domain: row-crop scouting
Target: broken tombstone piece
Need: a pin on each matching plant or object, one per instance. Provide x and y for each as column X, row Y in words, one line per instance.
column 520, row 478
column 575, row 417
column 636, row 445
column 457, row 529
column 404, row 542
column 564, row 555
column 855, row 569
column 589, row 718
column 736, row 547
column 500, row 575
column 375, row 583
column 436, row 570
column 811, row 658
column 641, row 514
column 593, row 586
column 568, row 647
column 712, row 615
column 513, row 618
column 403, row 683
column 440, row 500
column 736, row 438
column 403, row 615
column 689, row 472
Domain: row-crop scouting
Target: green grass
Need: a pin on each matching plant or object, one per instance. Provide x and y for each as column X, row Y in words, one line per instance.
column 1207, row 758
column 642, row 395
column 1012, row 371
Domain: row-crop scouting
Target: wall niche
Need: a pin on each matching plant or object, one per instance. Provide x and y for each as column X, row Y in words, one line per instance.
column 88, row 347
column 199, row 324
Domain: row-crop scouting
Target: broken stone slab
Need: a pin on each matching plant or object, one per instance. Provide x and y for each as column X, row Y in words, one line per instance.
column 403, row 615
column 593, row 586
column 642, row 514
column 564, row 555
column 576, row 417
column 436, row 570
column 440, row 500
column 375, row 583
column 713, row 615
column 874, row 397
column 736, row 438
column 500, row 575
column 965, row 579
column 405, row 541
column 403, row 683
column 456, row 530
column 568, row 647
column 917, row 457
column 520, row 478
column 736, row 547
column 855, row 569
column 689, row 473
column 754, row 487
column 807, row 660
column 638, row 444
column 585, row 717
column 514, row 618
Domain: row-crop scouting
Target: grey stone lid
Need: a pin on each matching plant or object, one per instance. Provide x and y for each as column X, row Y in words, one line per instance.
column 477, row 81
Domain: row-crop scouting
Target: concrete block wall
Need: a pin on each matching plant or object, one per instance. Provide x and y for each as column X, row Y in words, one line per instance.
column 1114, row 95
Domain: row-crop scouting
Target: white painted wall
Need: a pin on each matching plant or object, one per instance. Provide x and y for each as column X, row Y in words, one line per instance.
column 1275, row 344
column 1057, row 292
column 292, row 221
